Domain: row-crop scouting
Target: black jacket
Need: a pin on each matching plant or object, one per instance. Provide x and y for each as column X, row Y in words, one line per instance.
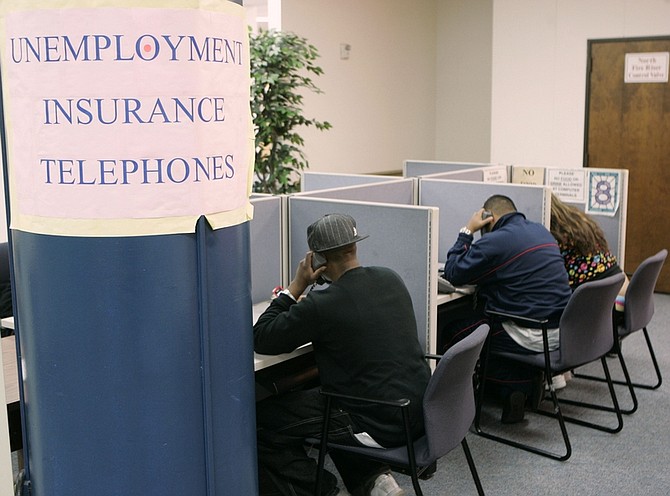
column 364, row 334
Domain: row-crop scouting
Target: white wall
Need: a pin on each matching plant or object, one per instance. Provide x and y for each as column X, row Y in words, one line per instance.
column 507, row 83
column 381, row 101
column 463, row 100
column 539, row 71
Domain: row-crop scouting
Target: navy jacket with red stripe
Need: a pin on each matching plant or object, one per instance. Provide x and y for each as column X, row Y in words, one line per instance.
column 517, row 268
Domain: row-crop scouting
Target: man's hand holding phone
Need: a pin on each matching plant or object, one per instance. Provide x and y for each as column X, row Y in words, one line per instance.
column 306, row 275
column 481, row 220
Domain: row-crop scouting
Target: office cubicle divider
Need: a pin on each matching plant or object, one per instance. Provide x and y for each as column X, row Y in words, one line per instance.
column 268, row 246
column 398, row 190
column 577, row 187
column 401, row 238
column 613, row 223
column 269, row 267
column 475, row 174
column 416, row 168
column 488, row 174
column 313, row 181
column 458, row 200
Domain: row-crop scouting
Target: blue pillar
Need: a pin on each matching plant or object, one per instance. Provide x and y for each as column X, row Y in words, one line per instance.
column 138, row 363
column 137, row 359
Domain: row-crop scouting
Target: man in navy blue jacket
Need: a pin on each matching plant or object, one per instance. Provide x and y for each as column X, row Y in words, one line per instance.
column 518, row 269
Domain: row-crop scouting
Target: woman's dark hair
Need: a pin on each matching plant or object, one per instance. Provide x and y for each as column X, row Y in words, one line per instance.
column 571, row 226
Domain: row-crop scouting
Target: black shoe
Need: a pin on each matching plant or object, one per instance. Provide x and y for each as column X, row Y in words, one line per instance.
column 429, row 471
column 513, row 408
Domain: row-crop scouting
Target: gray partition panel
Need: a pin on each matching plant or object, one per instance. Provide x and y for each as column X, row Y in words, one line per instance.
column 458, row 200
column 611, row 227
column 399, row 239
column 614, row 227
column 398, row 191
column 265, row 234
column 312, row 181
column 415, row 168
column 460, row 175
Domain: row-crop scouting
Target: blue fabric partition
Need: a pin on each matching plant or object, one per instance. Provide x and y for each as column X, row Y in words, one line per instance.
column 415, row 168
column 459, row 175
column 314, row 181
column 612, row 227
column 458, row 200
column 400, row 238
column 396, row 191
column 267, row 250
column 137, row 358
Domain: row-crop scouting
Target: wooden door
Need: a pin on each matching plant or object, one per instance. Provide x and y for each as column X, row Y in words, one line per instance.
column 628, row 127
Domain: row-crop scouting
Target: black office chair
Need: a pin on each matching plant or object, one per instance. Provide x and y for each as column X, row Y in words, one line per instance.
column 638, row 311
column 448, row 410
column 585, row 336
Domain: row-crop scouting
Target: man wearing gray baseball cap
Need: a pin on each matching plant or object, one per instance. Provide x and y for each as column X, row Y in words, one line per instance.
column 363, row 331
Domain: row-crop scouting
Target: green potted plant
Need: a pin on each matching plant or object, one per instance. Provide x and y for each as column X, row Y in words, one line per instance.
column 281, row 66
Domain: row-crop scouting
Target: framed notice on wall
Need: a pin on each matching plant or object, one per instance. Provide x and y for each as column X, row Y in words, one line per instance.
column 604, row 192
column 126, row 120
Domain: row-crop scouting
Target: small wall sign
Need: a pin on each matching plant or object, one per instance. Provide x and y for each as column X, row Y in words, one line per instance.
column 647, row 67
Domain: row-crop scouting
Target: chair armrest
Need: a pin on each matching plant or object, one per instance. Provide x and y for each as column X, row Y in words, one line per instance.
column 518, row 317
column 400, row 403
column 545, row 334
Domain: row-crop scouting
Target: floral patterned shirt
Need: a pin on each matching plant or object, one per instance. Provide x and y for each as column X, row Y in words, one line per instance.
column 582, row 268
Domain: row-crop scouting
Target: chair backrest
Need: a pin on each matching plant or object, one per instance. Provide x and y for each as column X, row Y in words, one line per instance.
column 639, row 305
column 449, row 400
column 586, row 331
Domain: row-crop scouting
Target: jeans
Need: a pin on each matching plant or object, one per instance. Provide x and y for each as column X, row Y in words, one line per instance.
column 285, row 468
column 505, row 376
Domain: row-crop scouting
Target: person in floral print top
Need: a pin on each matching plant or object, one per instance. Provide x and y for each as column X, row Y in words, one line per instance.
column 586, row 255
column 583, row 245
column 582, row 268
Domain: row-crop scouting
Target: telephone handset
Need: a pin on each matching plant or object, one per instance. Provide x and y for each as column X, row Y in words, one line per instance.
column 319, row 261
column 486, row 228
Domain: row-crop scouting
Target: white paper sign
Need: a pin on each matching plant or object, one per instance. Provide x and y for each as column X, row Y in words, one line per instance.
column 495, row 174
column 127, row 121
column 567, row 184
column 522, row 174
column 647, row 67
